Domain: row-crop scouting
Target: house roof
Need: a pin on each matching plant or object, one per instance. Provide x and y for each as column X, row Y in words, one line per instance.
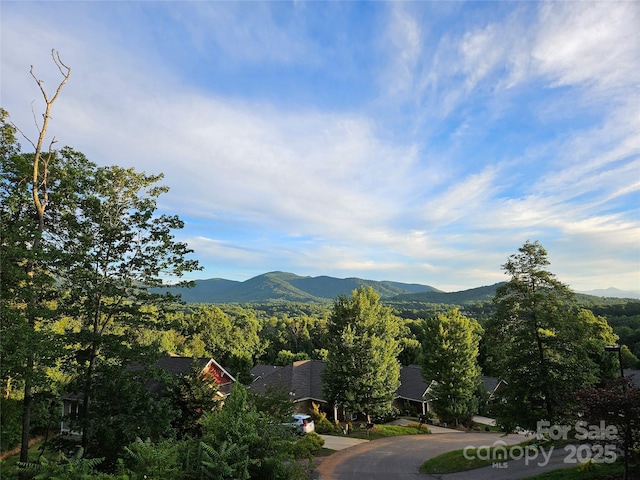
column 412, row 385
column 180, row 365
column 490, row 383
column 177, row 366
column 301, row 379
column 260, row 370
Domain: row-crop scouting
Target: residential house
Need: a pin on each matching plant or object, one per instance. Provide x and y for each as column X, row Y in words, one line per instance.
column 492, row 386
column 300, row 379
column 175, row 366
column 412, row 394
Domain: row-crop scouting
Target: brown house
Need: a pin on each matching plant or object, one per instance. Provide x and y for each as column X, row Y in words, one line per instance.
column 175, row 366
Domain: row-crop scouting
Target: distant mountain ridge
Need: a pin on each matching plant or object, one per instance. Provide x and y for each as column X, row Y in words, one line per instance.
column 479, row 294
column 284, row 286
column 613, row 292
column 289, row 287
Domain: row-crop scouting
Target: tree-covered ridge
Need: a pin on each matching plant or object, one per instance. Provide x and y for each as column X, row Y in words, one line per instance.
column 289, row 287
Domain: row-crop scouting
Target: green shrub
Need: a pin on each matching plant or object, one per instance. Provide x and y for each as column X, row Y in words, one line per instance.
column 10, row 423
column 322, row 425
column 152, row 460
column 385, row 414
column 308, row 445
column 72, row 468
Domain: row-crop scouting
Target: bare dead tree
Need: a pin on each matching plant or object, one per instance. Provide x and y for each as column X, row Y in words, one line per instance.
column 40, row 200
column 40, row 161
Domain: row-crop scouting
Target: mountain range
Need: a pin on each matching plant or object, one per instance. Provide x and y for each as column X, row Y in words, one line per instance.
column 289, row 287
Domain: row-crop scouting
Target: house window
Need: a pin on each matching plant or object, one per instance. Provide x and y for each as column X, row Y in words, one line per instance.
column 70, row 415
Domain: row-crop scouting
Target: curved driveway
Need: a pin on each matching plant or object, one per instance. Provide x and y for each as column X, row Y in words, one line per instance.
column 400, row 457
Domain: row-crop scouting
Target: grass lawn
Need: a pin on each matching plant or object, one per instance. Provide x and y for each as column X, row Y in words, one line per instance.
column 383, row 431
column 603, row 471
column 324, row 452
column 9, row 466
column 456, row 461
column 451, row 462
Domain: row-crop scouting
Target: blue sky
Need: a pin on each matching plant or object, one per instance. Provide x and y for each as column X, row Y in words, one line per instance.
column 418, row 142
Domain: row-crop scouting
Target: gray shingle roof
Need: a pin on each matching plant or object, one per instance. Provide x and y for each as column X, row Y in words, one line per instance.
column 301, row 379
column 412, row 385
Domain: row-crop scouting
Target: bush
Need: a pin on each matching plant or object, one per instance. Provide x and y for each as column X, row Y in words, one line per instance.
column 10, row 423
column 322, row 425
column 152, row 460
column 308, row 445
column 409, row 409
column 385, row 415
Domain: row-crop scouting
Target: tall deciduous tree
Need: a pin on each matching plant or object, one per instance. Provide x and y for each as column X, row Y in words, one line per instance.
column 538, row 342
column 37, row 278
column 450, row 361
column 363, row 370
column 117, row 248
column 29, row 295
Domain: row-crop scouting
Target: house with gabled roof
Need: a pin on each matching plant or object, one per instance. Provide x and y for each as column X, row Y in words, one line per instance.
column 492, row 386
column 300, row 379
column 175, row 366
column 412, row 391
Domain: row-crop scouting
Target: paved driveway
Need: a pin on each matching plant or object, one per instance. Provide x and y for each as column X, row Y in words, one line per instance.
column 400, row 457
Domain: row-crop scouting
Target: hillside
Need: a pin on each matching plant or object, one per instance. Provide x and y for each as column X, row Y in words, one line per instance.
column 283, row 286
column 473, row 295
column 289, row 287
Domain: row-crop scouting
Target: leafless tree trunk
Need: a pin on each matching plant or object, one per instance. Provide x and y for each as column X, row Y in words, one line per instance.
column 40, row 200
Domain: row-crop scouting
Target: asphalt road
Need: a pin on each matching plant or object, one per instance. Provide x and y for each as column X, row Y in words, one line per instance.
column 400, row 457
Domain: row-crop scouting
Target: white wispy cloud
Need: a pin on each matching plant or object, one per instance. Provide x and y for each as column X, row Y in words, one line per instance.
column 592, row 43
column 429, row 180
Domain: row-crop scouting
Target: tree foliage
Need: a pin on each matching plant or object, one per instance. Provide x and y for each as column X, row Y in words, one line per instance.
column 29, row 297
column 362, row 371
column 449, row 360
column 249, row 443
column 538, row 342
column 36, row 280
column 116, row 247
column 617, row 404
column 193, row 396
